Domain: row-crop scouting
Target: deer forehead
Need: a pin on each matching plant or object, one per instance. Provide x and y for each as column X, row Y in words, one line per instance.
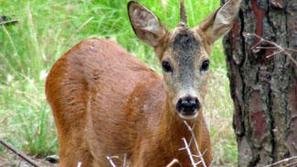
column 186, row 46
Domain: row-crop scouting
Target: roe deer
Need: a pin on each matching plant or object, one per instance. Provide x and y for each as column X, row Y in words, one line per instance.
column 106, row 102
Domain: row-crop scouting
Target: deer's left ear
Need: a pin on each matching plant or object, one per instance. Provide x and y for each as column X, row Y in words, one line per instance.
column 145, row 24
column 220, row 22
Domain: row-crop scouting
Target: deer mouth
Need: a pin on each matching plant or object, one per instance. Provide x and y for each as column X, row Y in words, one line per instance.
column 186, row 115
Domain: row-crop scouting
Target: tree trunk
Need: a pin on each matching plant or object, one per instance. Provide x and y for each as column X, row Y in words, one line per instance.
column 264, row 90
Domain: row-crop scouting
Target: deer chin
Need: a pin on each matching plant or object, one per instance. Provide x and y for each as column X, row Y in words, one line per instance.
column 188, row 116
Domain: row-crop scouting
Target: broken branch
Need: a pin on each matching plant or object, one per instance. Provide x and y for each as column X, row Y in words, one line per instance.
column 19, row 154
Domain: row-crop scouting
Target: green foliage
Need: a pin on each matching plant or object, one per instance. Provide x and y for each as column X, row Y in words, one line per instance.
column 48, row 28
column 26, row 116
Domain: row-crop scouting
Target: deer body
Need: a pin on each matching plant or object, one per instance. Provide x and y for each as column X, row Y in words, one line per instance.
column 107, row 103
column 113, row 107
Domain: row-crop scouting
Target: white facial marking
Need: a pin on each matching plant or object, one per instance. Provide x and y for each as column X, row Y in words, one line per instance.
column 188, row 117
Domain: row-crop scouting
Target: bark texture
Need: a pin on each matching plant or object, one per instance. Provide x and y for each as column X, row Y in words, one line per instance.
column 264, row 90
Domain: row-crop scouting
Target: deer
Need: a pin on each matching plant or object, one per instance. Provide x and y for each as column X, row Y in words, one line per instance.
column 106, row 102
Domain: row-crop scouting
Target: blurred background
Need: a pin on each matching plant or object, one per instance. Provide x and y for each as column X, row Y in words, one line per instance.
column 45, row 29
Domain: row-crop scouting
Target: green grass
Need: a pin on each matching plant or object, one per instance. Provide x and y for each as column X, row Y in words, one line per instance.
column 27, row 118
column 219, row 116
column 46, row 29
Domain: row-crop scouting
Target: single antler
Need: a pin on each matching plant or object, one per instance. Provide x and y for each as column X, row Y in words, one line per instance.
column 183, row 15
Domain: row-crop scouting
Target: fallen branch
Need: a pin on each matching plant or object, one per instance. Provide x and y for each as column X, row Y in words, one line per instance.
column 19, row 154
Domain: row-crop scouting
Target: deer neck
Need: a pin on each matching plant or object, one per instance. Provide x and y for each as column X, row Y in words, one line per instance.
column 165, row 139
column 172, row 128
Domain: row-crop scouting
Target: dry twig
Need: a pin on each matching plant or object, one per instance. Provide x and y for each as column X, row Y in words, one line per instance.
column 125, row 161
column 109, row 158
column 19, row 154
column 285, row 162
column 188, row 147
column 279, row 49
column 113, row 164
column 8, row 22
column 4, row 20
column 173, row 162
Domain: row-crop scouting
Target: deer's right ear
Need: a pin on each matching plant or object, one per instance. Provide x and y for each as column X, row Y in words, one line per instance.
column 145, row 24
column 221, row 21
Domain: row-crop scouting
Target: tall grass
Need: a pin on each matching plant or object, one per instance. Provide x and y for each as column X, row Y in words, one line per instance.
column 25, row 117
column 48, row 28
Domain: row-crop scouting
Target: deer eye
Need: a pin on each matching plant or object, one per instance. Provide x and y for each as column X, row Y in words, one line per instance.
column 166, row 66
column 205, row 65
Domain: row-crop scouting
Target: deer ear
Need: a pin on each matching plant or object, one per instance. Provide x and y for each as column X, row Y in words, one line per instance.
column 145, row 24
column 220, row 22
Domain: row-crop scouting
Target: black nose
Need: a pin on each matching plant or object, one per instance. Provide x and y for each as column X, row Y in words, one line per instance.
column 187, row 105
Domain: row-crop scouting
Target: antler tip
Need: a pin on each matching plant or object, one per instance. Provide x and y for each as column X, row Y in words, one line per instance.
column 183, row 16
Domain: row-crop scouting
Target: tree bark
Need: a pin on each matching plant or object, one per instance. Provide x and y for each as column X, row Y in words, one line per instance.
column 264, row 90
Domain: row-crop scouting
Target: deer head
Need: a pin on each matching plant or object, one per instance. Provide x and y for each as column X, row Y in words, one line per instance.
column 184, row 52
